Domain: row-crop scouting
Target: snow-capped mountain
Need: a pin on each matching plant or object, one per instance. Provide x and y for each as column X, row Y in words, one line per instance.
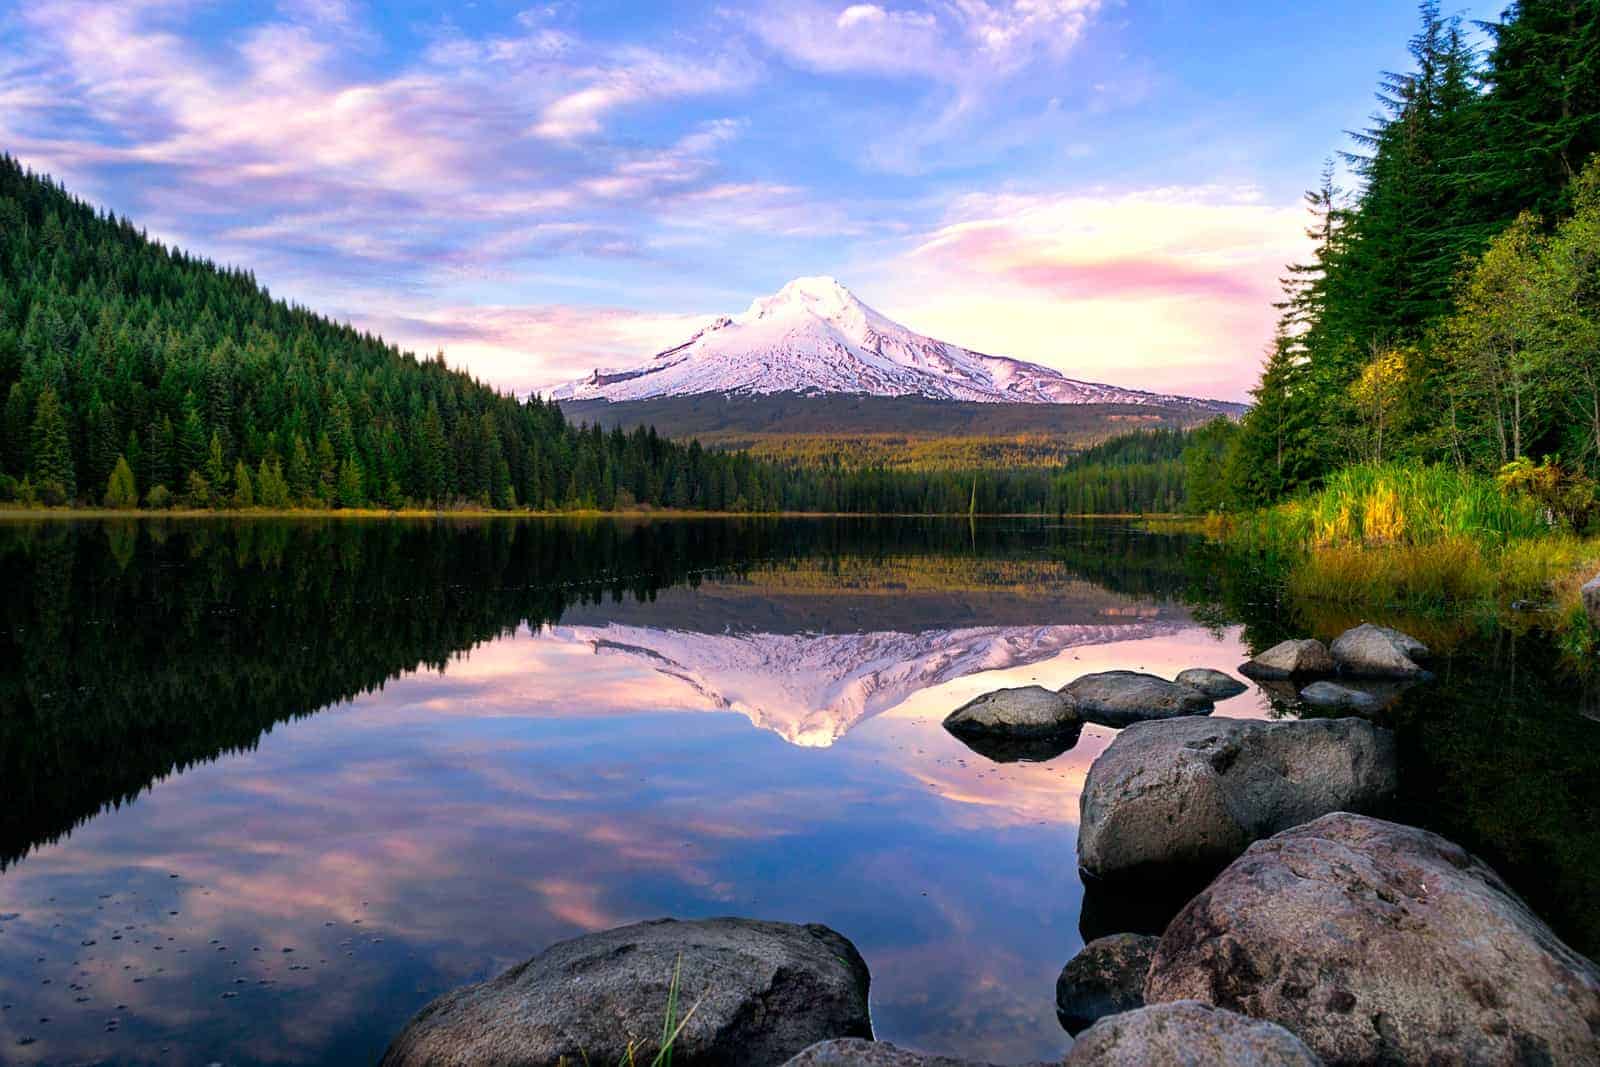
column 815, row 337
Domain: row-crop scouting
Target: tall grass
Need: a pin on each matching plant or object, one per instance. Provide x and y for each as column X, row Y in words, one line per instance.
column 1413, row 537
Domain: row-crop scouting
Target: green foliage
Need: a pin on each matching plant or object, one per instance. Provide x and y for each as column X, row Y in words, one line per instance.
column 1206, row 460
column 50, row 451
column 1450, row 311
column 244, row 493
column 121, row 491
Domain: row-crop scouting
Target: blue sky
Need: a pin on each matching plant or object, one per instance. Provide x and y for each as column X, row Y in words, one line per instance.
column 1107, row 188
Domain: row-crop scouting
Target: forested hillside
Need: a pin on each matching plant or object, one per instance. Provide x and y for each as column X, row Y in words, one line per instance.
column 1451, row 310
column 135, row 374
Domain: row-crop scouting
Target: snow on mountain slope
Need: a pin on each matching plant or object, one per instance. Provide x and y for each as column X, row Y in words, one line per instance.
column 812, row 688
column 814, row 336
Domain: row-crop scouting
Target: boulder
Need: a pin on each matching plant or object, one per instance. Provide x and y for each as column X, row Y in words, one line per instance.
column 856, row 1052
column 1590, row 594
column 1382, row 943
column 1187, row 1034
column 1029, row 711
column 1287, row 659
column 1104, row 978
column 760, row 992
column 1331, row 696
column 1117, row 698
column 1192, row 794
column 1215, row 684
column 1369, row 651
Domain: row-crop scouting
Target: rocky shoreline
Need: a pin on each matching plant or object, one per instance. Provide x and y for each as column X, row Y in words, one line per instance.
column 1291, row 923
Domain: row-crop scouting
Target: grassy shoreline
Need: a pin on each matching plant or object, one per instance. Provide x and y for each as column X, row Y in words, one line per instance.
column 1421, row 539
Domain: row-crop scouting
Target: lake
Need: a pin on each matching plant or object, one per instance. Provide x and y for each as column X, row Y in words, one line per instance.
column 266, row 788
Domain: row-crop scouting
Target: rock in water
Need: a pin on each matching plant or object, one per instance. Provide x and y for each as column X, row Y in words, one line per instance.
column 1289, row 658
column 765, row 991
column 1378, row 652
column 1335, row 697
column 1117, row 698
column 1104, row 978
column 855, row 1052
column 1215, row 684
column 1382, row 943
column 1029, row 711
column 1192, row 794
column 1187, row 1034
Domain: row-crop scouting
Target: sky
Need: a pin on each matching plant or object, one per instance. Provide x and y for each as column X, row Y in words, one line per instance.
column 1107, row 188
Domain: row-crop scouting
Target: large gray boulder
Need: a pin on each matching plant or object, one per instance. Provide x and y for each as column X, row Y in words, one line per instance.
column 1192, row 794
column 856, row 1052
column 1028, row 711
column 1218, row 685
column 1382, row 943
column 1104, row 978
column 1117, row 698
column 1187, row 1034
column 1289, row 659
column 760, row 992
column 1370, row 651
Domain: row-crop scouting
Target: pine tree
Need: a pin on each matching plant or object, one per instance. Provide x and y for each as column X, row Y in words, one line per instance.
column 51, row 468
column 244, row 494
column 327, row 471
column 301, row 480
column 1541, row 115
column 351, row 493
column 216, row 471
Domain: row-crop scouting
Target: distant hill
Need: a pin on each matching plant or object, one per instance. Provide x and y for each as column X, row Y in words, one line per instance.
column 901, row 431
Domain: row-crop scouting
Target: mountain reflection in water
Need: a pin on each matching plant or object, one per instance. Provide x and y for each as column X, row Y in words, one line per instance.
column 413, row 754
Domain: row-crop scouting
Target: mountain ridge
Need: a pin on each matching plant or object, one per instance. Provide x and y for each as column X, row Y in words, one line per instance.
column 815, row 337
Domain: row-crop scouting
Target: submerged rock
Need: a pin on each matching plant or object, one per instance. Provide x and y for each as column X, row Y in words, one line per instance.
column 1104, row 978
column 1382, row 943
column 1378, row 652
column 1029, row 711
column 1217, row 685
column 1188, row 1034
column 857, row 1052
column 1335, row 697
column 1286, row 659
column 761, row 992
column 1190, row 795
column 1117, row 698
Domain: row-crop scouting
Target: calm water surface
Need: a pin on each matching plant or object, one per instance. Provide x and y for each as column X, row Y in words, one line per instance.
column 266, row 789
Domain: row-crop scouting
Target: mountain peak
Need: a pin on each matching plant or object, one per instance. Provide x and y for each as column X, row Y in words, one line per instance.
column 814, row 336
column 818, row 295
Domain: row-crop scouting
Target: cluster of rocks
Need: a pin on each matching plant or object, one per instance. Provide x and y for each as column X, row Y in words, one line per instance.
column 1034, row 723
column 1373, row 665
column 1320, row 933
column 1309, row 930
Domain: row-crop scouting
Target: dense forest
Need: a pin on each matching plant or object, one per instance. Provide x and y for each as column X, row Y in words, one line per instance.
column 134, row 375
column 1450, row 311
